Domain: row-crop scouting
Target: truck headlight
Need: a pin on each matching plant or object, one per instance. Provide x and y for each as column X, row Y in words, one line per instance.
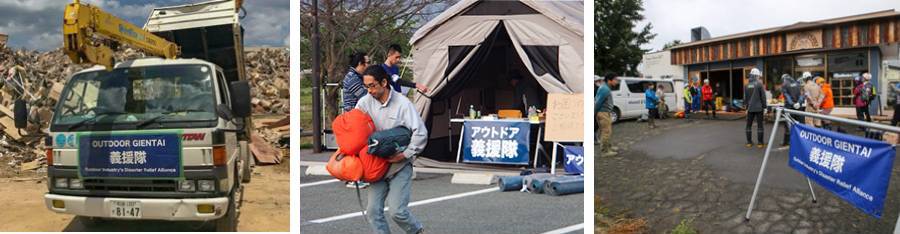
column 206, row 185
column 75, row 184
column 187, row 186
column 61, row 182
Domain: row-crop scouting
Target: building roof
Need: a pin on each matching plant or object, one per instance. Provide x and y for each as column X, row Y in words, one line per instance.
column 796, row 26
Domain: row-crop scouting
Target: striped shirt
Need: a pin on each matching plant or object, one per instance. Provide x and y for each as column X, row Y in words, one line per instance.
column 353, row 89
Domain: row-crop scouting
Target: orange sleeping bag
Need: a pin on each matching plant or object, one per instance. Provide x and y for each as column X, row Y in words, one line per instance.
column 374, row 167
column 352, row 162
column 344, row 167
column 352, row 130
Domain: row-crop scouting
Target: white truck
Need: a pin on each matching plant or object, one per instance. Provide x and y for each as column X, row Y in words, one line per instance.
column 155, row 138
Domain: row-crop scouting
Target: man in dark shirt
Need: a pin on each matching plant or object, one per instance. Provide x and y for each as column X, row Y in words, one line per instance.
column 391, row 66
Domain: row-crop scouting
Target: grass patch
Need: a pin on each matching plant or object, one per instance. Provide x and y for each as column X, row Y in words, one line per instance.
column 685, row 227
column 607, row 222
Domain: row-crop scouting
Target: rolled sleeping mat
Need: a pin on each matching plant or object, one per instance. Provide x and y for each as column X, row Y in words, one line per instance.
column 564, row 186
column 539, row 184
column 534, row 182
column 510, row 183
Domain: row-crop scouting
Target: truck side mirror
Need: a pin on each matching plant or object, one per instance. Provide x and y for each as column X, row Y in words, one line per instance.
column 240, row 98
column 21, row 114
column 224, row 112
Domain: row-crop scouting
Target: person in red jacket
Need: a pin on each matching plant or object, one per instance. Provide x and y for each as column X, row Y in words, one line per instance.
column 707, row 98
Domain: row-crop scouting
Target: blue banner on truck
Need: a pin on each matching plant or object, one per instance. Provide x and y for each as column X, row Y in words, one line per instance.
column 130, row 155
column 496, row 142
column 854, row 168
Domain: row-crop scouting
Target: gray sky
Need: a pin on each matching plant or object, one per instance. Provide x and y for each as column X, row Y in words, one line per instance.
column 37, row 24
column 674, row 19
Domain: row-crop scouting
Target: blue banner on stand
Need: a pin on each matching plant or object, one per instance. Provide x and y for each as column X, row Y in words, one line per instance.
column 574, row 159
column 138, row 155
column 496, row 142
column 854, row 168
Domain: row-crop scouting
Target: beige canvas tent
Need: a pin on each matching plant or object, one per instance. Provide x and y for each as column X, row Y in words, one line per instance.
column 466, row 56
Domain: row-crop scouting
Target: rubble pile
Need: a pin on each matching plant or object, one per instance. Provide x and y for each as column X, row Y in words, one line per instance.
column 267, row 70
column 43, row 76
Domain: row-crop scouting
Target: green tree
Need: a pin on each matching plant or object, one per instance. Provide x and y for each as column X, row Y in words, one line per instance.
column 671, row 44
column 617, row 46
column 348, row 26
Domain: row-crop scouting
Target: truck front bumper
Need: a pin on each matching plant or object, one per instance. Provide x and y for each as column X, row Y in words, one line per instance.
column 151, row 208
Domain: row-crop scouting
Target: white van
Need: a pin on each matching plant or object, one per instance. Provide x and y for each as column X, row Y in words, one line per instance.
column 628, row 96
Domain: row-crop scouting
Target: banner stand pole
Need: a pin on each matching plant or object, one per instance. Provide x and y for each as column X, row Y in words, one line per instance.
column 553, row 163
column 811, row 191
column 459, row 148
column 762, row 168
column 779, row 110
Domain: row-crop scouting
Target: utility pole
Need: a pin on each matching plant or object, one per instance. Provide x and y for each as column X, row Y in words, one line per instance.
column 316, row 81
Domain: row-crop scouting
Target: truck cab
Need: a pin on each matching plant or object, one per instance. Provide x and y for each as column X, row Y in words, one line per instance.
column 155, row 138
column 150, row 139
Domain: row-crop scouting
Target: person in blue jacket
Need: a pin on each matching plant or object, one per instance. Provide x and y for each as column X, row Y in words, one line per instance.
column 650, row 102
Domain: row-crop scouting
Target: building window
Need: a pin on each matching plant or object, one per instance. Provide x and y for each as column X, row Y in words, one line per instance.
column 843, row 67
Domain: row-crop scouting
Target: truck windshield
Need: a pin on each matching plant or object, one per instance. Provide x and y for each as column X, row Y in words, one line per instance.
column 129, row 98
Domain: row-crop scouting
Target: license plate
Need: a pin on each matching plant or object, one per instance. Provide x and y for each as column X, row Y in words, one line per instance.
column 125, row 209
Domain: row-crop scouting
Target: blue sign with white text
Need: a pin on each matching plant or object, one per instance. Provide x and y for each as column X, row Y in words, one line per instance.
column 854, row 168
column 139, row 155
column 574, row 159
column 496, row 142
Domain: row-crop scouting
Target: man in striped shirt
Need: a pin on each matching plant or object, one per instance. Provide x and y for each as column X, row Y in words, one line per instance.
column 353, row 85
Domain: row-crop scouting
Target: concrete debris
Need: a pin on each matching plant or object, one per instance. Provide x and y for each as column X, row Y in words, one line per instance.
column 39, row 77
column 267, row 69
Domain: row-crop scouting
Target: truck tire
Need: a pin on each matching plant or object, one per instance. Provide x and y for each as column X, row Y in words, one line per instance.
column 228, row 222
column 248, row 162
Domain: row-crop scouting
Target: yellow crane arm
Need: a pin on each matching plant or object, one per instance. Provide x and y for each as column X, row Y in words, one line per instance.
column 82, row 22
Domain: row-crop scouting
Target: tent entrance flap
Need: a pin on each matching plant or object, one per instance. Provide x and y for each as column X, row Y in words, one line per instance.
column 488, row 82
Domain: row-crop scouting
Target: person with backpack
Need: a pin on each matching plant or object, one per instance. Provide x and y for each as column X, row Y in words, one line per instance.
column 390, row 109
column 862, row 95
column 793, row 97
column 708, row 102
column 755, row 104
column 651, row 101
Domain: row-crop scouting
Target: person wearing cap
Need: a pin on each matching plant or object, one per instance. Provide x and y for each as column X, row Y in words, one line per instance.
column 827, row 100
column 793, row 97
column 708, row 96
column 755, row 104
column 814, row 98
column 603, row 106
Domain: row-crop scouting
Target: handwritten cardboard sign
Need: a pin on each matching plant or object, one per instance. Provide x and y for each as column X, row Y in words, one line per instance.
column 565, row 117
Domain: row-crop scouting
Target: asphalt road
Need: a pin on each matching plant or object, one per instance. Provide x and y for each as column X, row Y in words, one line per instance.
column 442, row 208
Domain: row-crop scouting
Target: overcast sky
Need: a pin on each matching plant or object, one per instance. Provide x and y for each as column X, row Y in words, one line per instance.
column 37, row 24
column 674, row 19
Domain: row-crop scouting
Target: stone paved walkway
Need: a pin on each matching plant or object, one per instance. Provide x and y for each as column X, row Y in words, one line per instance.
column 710, row 179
